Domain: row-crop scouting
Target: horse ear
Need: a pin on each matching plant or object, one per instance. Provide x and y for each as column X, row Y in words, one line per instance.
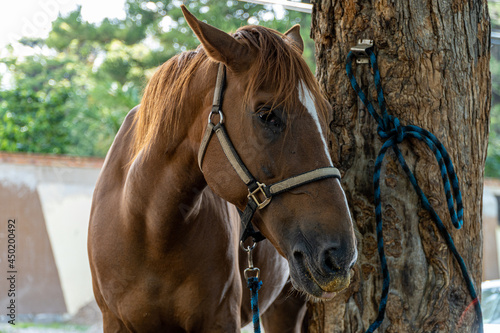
column 294, row 35
column 219, row 45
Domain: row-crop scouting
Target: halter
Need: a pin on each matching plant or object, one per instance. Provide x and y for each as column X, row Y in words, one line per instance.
column 259, row 194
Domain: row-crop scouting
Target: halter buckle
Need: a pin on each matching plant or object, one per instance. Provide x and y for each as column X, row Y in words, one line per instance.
column 255, row 196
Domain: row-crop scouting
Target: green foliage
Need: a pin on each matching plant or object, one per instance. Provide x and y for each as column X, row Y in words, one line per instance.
column 494, row 10
column 492, row 168
column 33, row 114
column 72, row 95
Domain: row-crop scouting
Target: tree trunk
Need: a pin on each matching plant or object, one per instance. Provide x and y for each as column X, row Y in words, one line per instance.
column 434, row 63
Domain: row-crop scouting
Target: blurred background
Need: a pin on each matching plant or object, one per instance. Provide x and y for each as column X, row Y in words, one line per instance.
column 70, row 70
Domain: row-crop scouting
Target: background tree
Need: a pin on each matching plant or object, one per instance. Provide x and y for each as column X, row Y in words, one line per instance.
column 434, row 62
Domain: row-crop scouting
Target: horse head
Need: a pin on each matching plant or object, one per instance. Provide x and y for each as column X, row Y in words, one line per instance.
column 274, row 115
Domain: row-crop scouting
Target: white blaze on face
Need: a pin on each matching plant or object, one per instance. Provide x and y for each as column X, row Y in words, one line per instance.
column 307, row 99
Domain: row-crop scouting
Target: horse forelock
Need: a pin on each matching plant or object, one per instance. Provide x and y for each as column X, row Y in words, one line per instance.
column 278, row 64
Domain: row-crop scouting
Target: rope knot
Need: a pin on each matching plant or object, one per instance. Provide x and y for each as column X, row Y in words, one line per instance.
column 391, row 127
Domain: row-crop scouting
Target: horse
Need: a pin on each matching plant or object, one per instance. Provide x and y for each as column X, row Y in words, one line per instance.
column 164, row 230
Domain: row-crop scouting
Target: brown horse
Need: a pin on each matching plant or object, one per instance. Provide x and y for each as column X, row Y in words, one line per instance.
column 164, row 236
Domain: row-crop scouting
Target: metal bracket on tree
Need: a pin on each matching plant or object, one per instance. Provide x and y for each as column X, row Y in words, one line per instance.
column 360, row 51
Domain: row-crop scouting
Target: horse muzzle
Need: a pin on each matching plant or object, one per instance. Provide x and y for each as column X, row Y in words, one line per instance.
column 324, row 273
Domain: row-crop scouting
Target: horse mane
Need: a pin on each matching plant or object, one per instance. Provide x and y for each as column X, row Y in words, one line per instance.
column 278, row 64
column 162, row 98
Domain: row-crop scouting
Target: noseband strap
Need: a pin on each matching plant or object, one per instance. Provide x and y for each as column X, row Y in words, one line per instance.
column 259, row 194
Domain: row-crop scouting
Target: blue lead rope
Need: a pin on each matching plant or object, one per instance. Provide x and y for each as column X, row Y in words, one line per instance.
column 390, row 130
column 254, row 285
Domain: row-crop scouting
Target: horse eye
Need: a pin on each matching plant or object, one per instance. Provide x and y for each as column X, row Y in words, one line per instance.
column 269, row 118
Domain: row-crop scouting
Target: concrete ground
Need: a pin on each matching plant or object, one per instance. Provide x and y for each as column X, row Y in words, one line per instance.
column 86, row 320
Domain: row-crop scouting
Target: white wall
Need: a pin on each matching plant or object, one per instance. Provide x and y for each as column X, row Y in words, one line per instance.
column 65, row 194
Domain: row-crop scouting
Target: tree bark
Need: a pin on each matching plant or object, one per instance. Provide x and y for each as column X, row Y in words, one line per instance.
column 434, row 63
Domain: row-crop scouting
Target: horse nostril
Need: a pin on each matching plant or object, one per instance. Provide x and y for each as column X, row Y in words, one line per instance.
column 330, row 262
column 298, row 256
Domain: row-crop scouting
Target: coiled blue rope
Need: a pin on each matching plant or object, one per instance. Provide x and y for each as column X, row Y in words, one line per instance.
column 254, row 285
column 390, row 130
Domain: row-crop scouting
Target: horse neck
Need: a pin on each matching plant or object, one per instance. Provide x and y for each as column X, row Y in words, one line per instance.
column 164, row 188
